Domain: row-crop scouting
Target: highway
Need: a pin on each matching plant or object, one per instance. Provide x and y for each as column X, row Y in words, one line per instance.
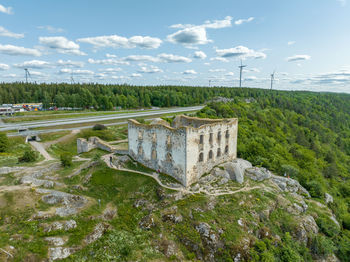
column 91, row 119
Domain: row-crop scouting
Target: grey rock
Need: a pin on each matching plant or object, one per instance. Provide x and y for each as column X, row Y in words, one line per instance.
column 237, row 168
column 218, row 172
column 328, row 198
column 55, row 241
column 258, row 173
column 59, row 225
column 175, row 218
column 60, row 252
column 7, row 170
column 223, row 181
column 97, row 233
column 169, row 248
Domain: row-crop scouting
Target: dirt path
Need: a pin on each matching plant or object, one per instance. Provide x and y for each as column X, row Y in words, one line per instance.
column 182, row 189
column 61, row 139
column 41, row 149
column 13, row 188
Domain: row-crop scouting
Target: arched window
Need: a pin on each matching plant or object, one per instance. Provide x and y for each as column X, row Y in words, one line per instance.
column 168, row 140
column 200, row 157
column 154, row 137
column 210, row 154
column 201, row 139
column 226, row 149
column 219, row 136
column 154, row 154
column 140, row 134
column 218, row 154
column 211, row 138
column 227, row 135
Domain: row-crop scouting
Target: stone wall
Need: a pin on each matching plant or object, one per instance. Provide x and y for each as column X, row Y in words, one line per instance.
column 159, row 147
column 187, row 150
column 84, row 145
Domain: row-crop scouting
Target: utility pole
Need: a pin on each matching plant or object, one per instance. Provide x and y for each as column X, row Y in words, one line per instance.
column 240, row 73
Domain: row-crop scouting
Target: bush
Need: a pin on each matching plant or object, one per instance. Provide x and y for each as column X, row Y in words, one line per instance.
column 4, row 142
column 327, row 226
column 99, row 127
column 346, row 221
column 321, row 246
column 28, row 156
column 315, row 189
column 66, row 159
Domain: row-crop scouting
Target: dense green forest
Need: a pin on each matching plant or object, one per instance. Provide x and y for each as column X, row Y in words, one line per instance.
column 305, row 135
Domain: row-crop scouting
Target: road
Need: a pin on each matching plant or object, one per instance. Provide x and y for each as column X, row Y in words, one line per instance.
column 90, row 119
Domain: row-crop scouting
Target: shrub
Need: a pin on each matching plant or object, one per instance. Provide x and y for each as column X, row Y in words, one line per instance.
column 346, row 221
column 321, row 246
column 327, row 226
column 4, row 142
column 28, row 156
column 66, row 159
column 315, row 189
column 99, row 127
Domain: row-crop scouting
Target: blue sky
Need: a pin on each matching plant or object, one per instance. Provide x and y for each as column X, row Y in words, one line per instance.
column 178, row 42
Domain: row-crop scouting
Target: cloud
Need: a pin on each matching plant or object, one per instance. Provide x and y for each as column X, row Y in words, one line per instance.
column 141, row 58
column 242, row 21
column 136, row 75
column 18, row 50
column 109, row 61
column 4, row 67
column 6, row 10
column 170, row 58
column 111, row 70
column 189, row 72
column 5, row 32
column 240, row 52
column 196, row 34
column 61, row 45
column 51, row 29
column 298, row 58
column 221, row 59
column 76, row 72
column 199, row 55
column 70, row 63
column 38, row 64
column 291, row 42
column 229, row 74
column 217, row 70
column 110, row 56
column 151, row 69
column 116, row 41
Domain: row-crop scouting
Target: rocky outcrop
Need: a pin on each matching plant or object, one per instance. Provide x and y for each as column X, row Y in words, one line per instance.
column 236, row 169
column 59, row 225
column 71, row 204
column 97, row 233
column 328, row 198
column 147, row 222
column 7, row 170
column 258, row 173
column 60, row 252
column 55, row 241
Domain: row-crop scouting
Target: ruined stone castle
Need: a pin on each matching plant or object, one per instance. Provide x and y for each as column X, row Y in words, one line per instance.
column 185, row 150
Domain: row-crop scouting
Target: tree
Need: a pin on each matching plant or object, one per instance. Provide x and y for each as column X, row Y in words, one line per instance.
column 4, row 142
column 66, row 159
column 28, row 156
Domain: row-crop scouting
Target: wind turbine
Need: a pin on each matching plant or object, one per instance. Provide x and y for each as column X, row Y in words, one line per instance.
column 209, row 82
column 272, row 78
column 27, row 74
column 71, row 78
column 240, row 73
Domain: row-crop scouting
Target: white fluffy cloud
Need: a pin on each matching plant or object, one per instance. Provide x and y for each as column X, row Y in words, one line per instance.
column 242, row 21
column 70, row 63
column 4, row 67
column 38, row 64
column 196, row 34
column 18, row 50
column 6, row 10
column 135, row 75
column 150, row 69
column 170, row 58
column 76, row 72
column 199, row 55
column 240, row 52
column 61, row 45
column 291, row 42
column 51, row 29
column 117, row 41
column 298, row 58
column 141, row 58
column 7, row 33
column 220, row 59
column 109, row 61
column 189, row 72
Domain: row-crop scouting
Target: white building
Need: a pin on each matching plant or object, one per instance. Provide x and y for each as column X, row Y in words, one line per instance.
column 187, row 149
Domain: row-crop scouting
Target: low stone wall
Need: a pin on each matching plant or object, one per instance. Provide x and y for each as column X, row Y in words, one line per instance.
column 84, row 145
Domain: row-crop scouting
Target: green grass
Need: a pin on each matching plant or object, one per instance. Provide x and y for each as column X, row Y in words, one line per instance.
column 45, row 137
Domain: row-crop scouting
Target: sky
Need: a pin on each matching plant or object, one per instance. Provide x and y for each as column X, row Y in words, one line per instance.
column 162, row 42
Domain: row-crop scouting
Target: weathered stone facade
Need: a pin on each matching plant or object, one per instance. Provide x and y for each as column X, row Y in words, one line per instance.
column 187, row 149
